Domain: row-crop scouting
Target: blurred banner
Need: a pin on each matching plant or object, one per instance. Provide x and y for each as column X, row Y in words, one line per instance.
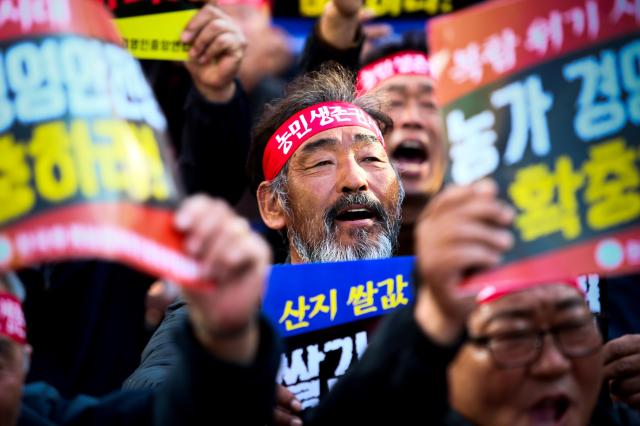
column 151, row 29
column 83, row 165
column 414, row 9
column 326, row 312
column 545, row 99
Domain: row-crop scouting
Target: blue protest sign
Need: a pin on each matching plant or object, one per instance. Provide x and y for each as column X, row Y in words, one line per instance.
column 304, row 298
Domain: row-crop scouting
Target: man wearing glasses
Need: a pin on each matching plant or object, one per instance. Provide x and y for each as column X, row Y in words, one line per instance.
column 533, row 356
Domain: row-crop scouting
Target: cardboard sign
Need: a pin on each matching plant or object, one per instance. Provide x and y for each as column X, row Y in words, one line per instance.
column 327, row 312
column 546, row 100
column 84, row 170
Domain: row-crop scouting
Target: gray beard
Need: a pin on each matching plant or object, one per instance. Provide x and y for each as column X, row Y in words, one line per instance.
column 328, row 250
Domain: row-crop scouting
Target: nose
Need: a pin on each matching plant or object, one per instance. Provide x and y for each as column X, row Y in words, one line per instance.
column 551, row 362
column 410, row 118
column 351, row 176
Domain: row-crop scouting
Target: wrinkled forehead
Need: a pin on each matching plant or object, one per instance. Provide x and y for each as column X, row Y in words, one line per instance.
column 532, row 302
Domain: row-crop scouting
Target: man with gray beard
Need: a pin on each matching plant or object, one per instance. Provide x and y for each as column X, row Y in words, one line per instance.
column 323, row 178
column 321, row 173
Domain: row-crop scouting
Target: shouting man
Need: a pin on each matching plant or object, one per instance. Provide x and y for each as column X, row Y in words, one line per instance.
column 321, row 172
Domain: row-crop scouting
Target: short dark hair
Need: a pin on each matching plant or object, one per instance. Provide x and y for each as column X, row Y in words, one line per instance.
column 331, row 83
column 411, row 40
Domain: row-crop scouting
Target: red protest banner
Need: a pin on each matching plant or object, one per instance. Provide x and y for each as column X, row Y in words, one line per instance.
column 545, row 99
column 520, row 34
column 84, row 169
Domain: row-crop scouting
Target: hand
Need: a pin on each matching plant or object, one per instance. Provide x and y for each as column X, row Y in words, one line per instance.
column 463, row 229
column 160, row 295
column 622, row 368
column 348, row 8
column 340, row 20
column 287, row 408
column 372, row 33
column 217, row 48
column 236, row 260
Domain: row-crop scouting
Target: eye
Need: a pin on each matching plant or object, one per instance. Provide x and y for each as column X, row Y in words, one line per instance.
column 396, row 103
column 371, row 160
column 429, row 105
column 322, row 163
column 512, row 336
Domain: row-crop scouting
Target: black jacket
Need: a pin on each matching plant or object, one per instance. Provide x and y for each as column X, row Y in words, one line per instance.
column 215, row 145
column 317, row 52
column 160, row 353
column 201, row 389
column 210, row 140
column 85, row 321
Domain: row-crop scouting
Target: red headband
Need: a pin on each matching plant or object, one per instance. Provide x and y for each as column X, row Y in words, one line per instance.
column 309, row 122
column 491, row 293
column 12, row 323
column 401, row 63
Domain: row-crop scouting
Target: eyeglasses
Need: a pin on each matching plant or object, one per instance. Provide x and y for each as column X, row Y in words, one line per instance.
column 519, row 349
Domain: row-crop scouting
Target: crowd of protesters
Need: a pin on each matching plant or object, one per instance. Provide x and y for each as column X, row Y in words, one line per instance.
column 78, row 344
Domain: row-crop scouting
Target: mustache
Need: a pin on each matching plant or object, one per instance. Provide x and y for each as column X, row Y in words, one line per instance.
column 361, row 198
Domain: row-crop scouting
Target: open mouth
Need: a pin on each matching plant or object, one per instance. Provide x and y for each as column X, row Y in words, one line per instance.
column 549, row 411
column 411, row 151
column 355, row 213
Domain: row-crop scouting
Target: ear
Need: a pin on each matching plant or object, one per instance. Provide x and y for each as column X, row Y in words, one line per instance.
column 271, row 210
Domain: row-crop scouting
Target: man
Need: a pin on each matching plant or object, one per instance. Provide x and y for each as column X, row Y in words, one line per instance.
column 228, row 357
column 329, row 185
column 399, row 73
column 510, row 373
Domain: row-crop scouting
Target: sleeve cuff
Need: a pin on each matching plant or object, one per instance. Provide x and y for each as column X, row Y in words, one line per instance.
column 196, row 103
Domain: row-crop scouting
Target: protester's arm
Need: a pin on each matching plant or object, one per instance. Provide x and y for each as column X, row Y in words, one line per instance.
column 463, row 230
column 401, row 379
column 217, row 47
column 337, row 36
column 229, row 361
column 216, row 132
column 229, row 358
column 160, row 353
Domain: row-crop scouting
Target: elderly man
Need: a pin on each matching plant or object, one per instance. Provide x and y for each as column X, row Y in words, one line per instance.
column 398, row 72
column 319, row 166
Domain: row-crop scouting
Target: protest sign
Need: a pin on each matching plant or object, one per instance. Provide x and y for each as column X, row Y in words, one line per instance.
column 151, row 28
column 326, row 312
column 544, row 97
column 84, row 170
